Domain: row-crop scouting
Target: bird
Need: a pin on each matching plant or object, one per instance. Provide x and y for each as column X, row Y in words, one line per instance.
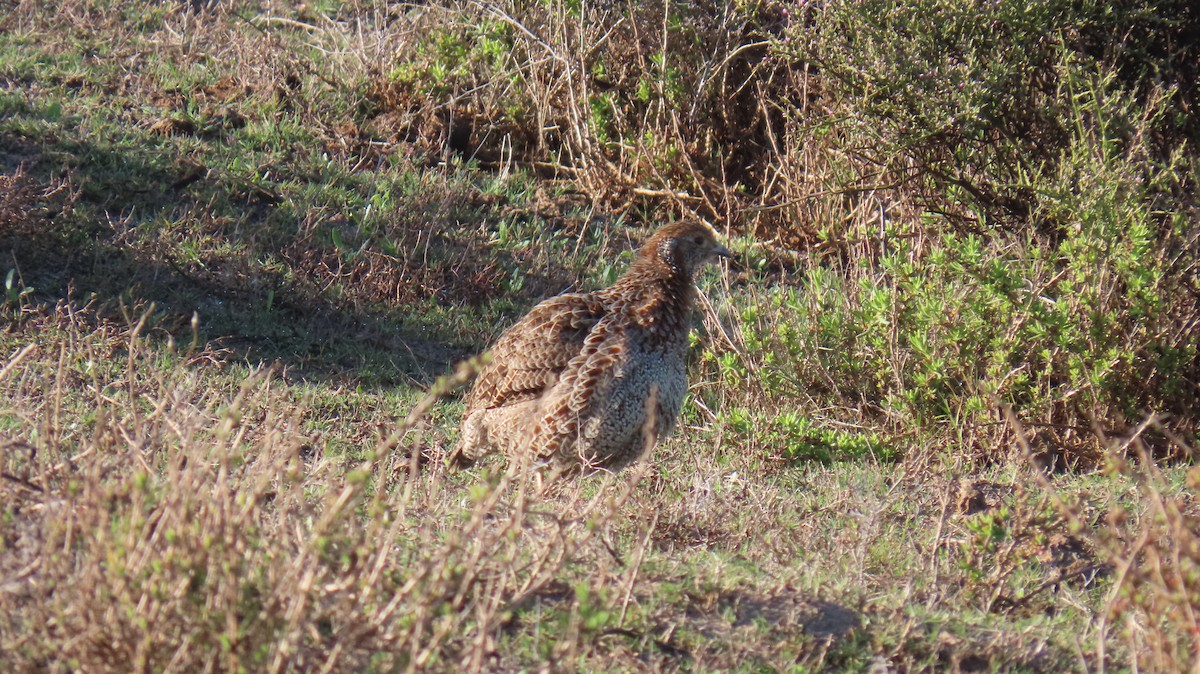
column 592, row 380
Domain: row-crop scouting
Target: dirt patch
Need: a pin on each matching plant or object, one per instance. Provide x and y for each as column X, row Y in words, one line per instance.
column 780, row 613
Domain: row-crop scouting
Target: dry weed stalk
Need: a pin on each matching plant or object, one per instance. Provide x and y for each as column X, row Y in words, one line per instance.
column 1155, row 556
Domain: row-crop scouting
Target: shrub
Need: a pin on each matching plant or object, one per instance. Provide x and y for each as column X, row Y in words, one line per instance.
column 1032, row 248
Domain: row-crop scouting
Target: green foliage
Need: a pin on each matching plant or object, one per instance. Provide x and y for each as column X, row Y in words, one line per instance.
column 1069, row 313
column 450, row 56
column 957, row 87
column 1008, row 545
column 14, row 291
column 796, row 437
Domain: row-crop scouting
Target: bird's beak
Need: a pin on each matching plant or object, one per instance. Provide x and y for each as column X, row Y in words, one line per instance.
column 722, row 251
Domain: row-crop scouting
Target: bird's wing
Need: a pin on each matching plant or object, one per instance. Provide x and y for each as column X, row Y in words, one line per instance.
column 532, row 354
column 586, row 383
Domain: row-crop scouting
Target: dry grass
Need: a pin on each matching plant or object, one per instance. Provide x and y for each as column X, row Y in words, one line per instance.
column 1153, row 603
column 173, row 528
column 169, row 510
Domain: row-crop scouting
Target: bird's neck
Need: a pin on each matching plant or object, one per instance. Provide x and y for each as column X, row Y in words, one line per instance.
column 660, row 299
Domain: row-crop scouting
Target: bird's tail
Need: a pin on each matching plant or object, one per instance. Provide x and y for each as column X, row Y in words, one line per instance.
column 459, row 459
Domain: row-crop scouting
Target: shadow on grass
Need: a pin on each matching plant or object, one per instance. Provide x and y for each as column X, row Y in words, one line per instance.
column 140, row 222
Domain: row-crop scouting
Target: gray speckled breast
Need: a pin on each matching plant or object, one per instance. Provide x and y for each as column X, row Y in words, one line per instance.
column 613, row 437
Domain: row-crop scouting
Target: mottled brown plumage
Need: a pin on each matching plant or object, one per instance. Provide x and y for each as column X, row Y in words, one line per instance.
column 580, row 376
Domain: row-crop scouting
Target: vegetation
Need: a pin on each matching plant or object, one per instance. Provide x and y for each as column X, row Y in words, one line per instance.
column 943, row 411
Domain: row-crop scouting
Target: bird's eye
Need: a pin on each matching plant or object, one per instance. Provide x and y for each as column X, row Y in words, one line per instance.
column 698, row 239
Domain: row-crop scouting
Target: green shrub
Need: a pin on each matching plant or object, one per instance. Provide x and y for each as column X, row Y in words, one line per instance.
column 1074, row 319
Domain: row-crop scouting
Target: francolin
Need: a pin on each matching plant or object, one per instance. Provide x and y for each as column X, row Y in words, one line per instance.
column 580, row 379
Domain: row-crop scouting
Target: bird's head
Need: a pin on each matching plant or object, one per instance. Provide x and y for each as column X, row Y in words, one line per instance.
column 685, row 246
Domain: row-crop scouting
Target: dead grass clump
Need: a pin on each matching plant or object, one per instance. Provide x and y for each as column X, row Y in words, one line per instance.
column 388, row 280
column 1151, row 549
column 648, row 103
column 1154, row 603
column 28, row 211
column 18, row 201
